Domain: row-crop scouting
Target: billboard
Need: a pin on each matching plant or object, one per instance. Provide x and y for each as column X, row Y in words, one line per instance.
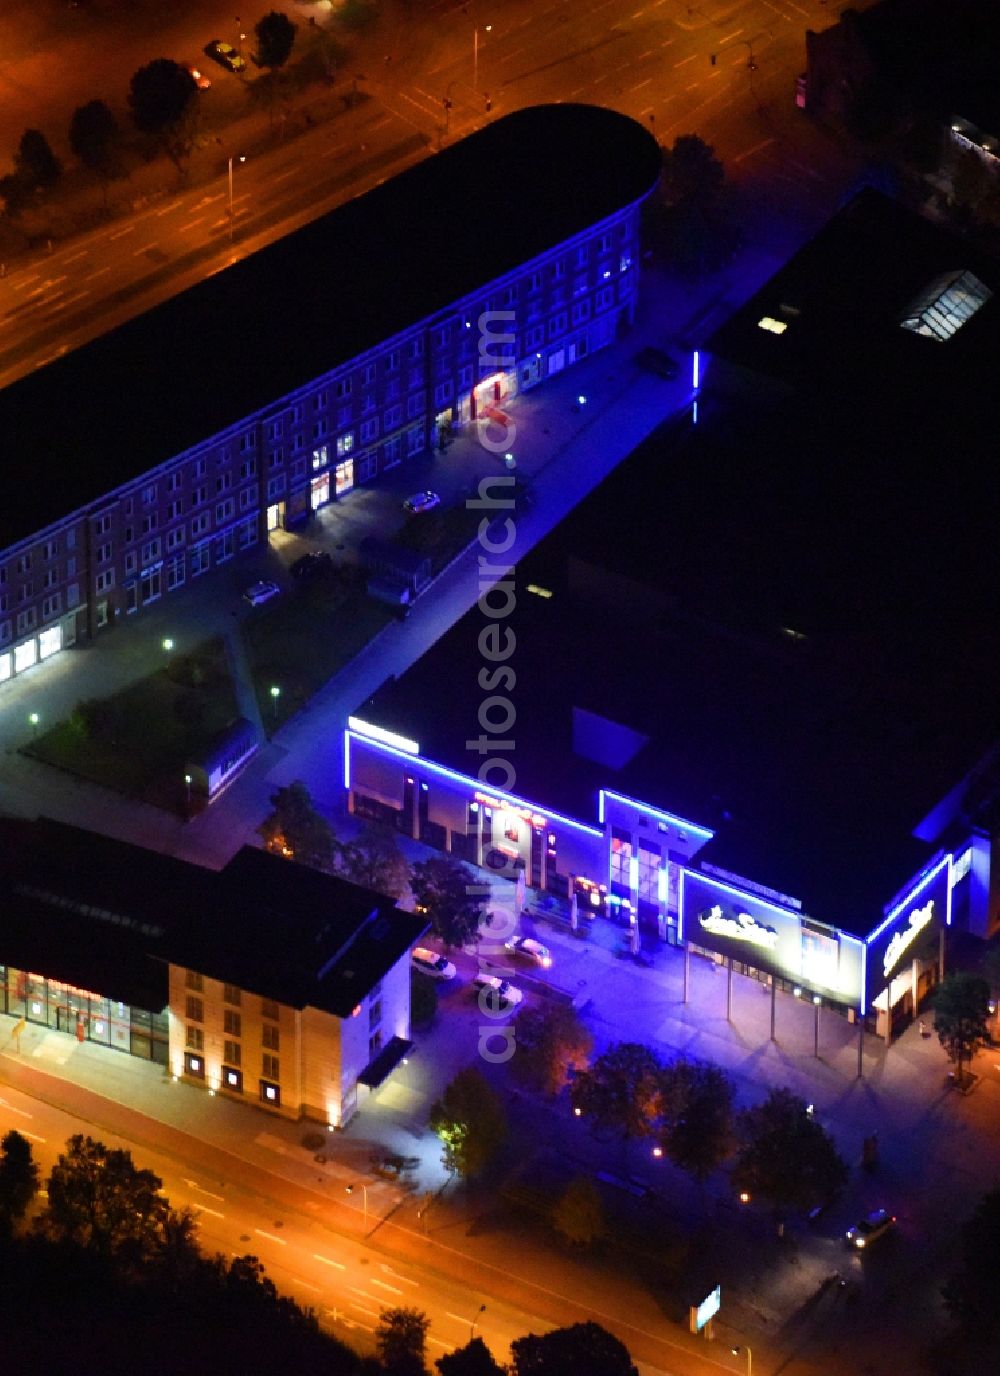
column 748, row 928
column 909, row 929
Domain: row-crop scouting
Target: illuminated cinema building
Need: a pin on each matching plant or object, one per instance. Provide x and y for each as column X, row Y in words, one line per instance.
column 268, row 982
column 752, row 709
column 189, row 434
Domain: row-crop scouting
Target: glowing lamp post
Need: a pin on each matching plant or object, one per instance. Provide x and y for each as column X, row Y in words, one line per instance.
column 349, row 1189
column 231, row 159
column 487, row 28
column 34, row 719
column 275, row 695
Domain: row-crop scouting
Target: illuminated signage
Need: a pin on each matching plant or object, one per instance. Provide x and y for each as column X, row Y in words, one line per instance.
column 379, row 733
column 742, row 927
column 525, row 813
column 708, row 1309
column 906, row 936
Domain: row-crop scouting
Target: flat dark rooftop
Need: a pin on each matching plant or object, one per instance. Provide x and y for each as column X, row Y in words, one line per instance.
column 796, row 602
column 108, row 916
column 245, row 337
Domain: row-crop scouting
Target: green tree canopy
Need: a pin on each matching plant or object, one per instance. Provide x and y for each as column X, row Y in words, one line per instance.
column 297, row 830
column 579, row 1214
column 583, row 1349
column 100, row 1199
column 162, row 98
column 961, row 1017
column 620, row 1092
column 474, row 1359
column 18, row 1181
column 551, row 1043
column 401, row 1341
column 444, row 889
column 696, row 1115
column 785, row 1156
column 275, row 38
column 94, row 137
column 471, row 1122
column 374, row 860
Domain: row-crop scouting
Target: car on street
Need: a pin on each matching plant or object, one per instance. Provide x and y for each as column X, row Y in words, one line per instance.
column 430, row 963
column 315, row 564
column 199, row 78
column 226, row 55
column 531, row 949
column 261, row 592
column 421, row 501
column 508, row 995
column 657, row 361
column 870, row 1228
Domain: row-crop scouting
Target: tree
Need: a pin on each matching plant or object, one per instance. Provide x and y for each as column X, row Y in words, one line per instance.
column 94, row 137
column 785, row 1156
column 423, row 999
column 579, row 1214
column 471, row 1123
column 474, row 1359
column 552, row 1042
column 696, row 1116
column 275, row 37
column 692, row 174
column 374, row 860
column 621, row 1090
column 100, row 1199
column 401, row 1341
column 970, row 1293
column 296, row 830
column 18, row 1181
column 961, row 1018
column 583, row 1349
column 34, row 162
column 161, row 98
column 444, row 889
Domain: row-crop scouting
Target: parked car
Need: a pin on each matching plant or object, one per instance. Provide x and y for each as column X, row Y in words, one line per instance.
column 870, row 1228
column 315, row 564
column 421, row 501
column 261, row 592
column 199, row 79
column 507, row 994
column 531, row 949
column 658, row 362
column 430, row 963
column 226, row 55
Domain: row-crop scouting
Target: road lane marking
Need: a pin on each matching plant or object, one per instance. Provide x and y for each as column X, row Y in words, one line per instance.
column 372, row 1313
column 77, row 256
column 22, row 1113
column 755, row 149
column 447, row 1346
column 735, row 34
column 193, row 1185
column 120, row 233
column 168, row 208
column 647, row 82
column 99, row 273
column 684, row 61
column 327, row 1262
column 192, row 225
column 396, row 1276
column 138, row 252
column 299, row 1281
column 363, row 1293
column 204, row 1209
column 384, row 1285
column 271, row 1237
column 457, row 1317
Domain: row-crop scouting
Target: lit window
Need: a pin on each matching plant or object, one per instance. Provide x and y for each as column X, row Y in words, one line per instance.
column 945, row 305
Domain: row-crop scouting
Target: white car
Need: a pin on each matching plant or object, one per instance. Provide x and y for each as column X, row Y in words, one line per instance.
column 531, row 949
column 421, row 501
column 870, row 1228
column 430, row 963
column 261, row 592
column 507, row 993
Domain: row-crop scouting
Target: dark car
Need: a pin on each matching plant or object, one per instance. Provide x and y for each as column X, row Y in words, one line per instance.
column 316, row 564
column 226, row 55
column 658, row 362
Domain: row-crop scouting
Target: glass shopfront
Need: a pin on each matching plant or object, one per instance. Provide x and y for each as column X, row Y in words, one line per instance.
column 84, row 1015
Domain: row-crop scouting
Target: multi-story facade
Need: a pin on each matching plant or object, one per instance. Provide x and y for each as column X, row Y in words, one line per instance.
column 266, row 982
column 184, row 483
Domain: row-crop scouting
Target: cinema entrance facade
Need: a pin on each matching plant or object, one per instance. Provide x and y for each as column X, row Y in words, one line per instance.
column 641, row 867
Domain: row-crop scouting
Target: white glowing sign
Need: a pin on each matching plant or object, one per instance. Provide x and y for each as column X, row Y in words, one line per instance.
column 906, row 936
column 742, row 927
column 379, row 733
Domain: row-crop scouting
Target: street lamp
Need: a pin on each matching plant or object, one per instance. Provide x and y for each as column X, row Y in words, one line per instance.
column 240, row 158
column 349, row 1189
column 817, row 1001
column 737, row 1351
column 487, row 28
column 188, row 781
column 275, row 695
column 168, row 644
column 472, row 1325
column 34, row 719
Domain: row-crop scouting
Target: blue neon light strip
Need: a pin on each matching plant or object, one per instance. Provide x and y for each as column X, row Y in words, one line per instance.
column 417, row 763
column 347, row 759
column 680, row 906
column 864, row 979
column 741, row 893
column 695, row 369
column 914, row 892
column 680, row 822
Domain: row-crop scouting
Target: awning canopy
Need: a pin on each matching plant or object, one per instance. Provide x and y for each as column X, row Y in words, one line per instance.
column 385, row 1062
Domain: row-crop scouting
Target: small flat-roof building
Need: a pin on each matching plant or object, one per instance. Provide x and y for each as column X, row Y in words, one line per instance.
column 266, row 980
column 164, row 448
column 755, row 671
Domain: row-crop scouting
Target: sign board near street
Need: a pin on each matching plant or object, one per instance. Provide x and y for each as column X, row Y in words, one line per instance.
column 708, row 1308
